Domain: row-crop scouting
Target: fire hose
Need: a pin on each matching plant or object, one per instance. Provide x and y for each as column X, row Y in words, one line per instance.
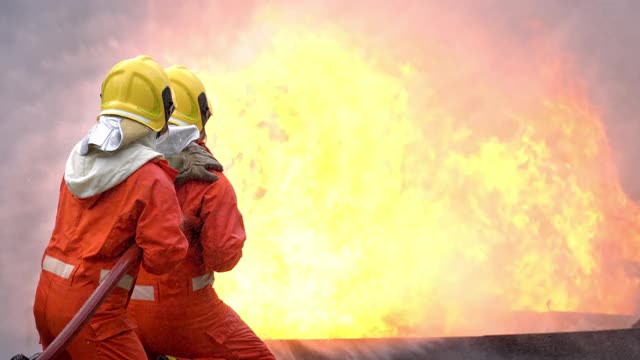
column 122, row 266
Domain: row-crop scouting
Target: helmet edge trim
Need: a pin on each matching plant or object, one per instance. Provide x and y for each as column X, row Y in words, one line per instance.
column 179, row 122
column 126, row 114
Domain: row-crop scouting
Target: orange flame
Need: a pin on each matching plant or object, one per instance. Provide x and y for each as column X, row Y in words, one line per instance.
column 377, row 205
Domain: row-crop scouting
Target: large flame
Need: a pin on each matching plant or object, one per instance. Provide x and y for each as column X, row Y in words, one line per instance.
column 377, row 205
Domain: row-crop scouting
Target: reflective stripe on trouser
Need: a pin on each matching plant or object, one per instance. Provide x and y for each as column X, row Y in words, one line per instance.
column 64, row 270
column 126, row 282
column 147, row 293
column 57, row 267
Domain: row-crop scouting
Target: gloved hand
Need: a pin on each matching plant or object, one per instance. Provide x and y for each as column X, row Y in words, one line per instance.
column 194, row 163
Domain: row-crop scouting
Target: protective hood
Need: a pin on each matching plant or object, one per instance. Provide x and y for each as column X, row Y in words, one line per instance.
column 177, row 139
column 107, row 156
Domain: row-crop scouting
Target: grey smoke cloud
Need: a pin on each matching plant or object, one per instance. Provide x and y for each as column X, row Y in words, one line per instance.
column 54, row 55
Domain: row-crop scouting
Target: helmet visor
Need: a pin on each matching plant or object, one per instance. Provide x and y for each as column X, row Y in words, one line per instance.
column 169, row 108
column 205, row 111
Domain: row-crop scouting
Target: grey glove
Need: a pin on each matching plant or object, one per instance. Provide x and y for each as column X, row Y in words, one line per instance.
column 195, row 163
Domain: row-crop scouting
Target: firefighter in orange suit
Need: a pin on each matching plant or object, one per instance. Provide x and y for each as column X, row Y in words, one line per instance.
column 179, row 313
column 117, row 191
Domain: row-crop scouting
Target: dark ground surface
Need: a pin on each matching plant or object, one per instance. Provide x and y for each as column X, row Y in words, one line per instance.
column 610, row 338
column 607, row 344
column 601, row 345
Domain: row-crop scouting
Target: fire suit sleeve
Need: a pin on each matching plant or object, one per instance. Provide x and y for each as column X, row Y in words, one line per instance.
column 158, row 231
column 223, row 235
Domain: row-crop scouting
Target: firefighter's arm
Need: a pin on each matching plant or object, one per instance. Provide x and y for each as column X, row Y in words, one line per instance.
column 223, row 234
column 158, row 231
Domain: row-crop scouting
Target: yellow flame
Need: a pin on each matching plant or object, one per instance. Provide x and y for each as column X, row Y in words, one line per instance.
column 367, row 218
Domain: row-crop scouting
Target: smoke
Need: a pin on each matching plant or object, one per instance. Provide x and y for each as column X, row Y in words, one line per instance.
column 55, row 55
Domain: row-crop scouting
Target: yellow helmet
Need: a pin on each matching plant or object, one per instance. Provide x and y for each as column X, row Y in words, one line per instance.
column 192, row 106
column 138, row 89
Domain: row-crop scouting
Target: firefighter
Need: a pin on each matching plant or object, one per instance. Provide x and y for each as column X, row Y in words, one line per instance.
column 117, row 191
column 180, row 314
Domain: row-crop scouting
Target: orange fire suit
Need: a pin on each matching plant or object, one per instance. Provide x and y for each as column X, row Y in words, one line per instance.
column 179, row 313
column 88, row 238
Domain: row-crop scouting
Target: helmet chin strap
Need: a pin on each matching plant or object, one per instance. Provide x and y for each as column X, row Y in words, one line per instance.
column 203, row 136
